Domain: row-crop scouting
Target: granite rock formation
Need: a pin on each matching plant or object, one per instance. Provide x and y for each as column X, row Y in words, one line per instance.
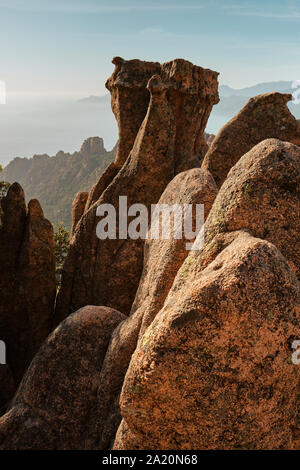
column 261, row 193
column 263, row 117
column 57, row 394
column 213, row 369
column 225, row 331
column 179, row 99
column 27, row 281
column 162, row 259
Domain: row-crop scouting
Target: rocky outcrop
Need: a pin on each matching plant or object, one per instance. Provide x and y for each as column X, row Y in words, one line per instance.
column 181, row 96
column 214, row 365
column 162, row 259
column 27, row 281
column 232, row 311
column 192, row 92
column 261, row 193
column 78, row 207
column 57, row 395
column 92, row 146
column 263, row 117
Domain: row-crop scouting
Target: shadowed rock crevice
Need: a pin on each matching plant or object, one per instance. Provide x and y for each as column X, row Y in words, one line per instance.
column 212, row 368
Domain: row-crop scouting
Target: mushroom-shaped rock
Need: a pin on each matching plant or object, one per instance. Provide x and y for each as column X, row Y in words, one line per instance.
column 163, row 123
column 162, row 259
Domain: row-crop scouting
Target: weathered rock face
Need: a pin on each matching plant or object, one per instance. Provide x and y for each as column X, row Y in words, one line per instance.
column 232, row 311
column 93, row 145
column 213, row 370
column 78, row 207
column 58, row 393
column 162, row 259
column 129, row 100
column 27, row 282
column 262, row 194
column 107, row 272
column 263, row 117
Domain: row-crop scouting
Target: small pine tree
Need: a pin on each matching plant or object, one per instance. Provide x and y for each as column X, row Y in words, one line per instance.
column 62, row 241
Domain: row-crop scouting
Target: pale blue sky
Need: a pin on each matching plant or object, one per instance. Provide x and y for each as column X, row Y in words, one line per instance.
column 66, row 46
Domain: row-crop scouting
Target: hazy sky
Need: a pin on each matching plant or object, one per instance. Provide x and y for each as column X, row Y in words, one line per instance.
column 66, row 46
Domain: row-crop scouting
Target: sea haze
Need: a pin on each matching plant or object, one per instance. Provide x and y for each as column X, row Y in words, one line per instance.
column 46, row 124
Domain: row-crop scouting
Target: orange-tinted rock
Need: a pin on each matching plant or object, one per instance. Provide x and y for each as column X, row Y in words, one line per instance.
column 129, row 100
column 92, row 145
column 262, row 194
column 214, row 370
column 27, row 281
column 162, row 259
column 263, row 117
column 57, row 396
column 237, row 285
column 107, row 272
column 192, row 92
column 78, row 207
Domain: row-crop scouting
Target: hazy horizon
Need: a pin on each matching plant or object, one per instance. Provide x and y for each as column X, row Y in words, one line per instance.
column 56, row 52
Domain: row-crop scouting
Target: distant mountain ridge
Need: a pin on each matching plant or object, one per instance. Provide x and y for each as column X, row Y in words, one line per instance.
column 232, row 100
column 260, row 88
column 55, row 181
column 96, row 99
